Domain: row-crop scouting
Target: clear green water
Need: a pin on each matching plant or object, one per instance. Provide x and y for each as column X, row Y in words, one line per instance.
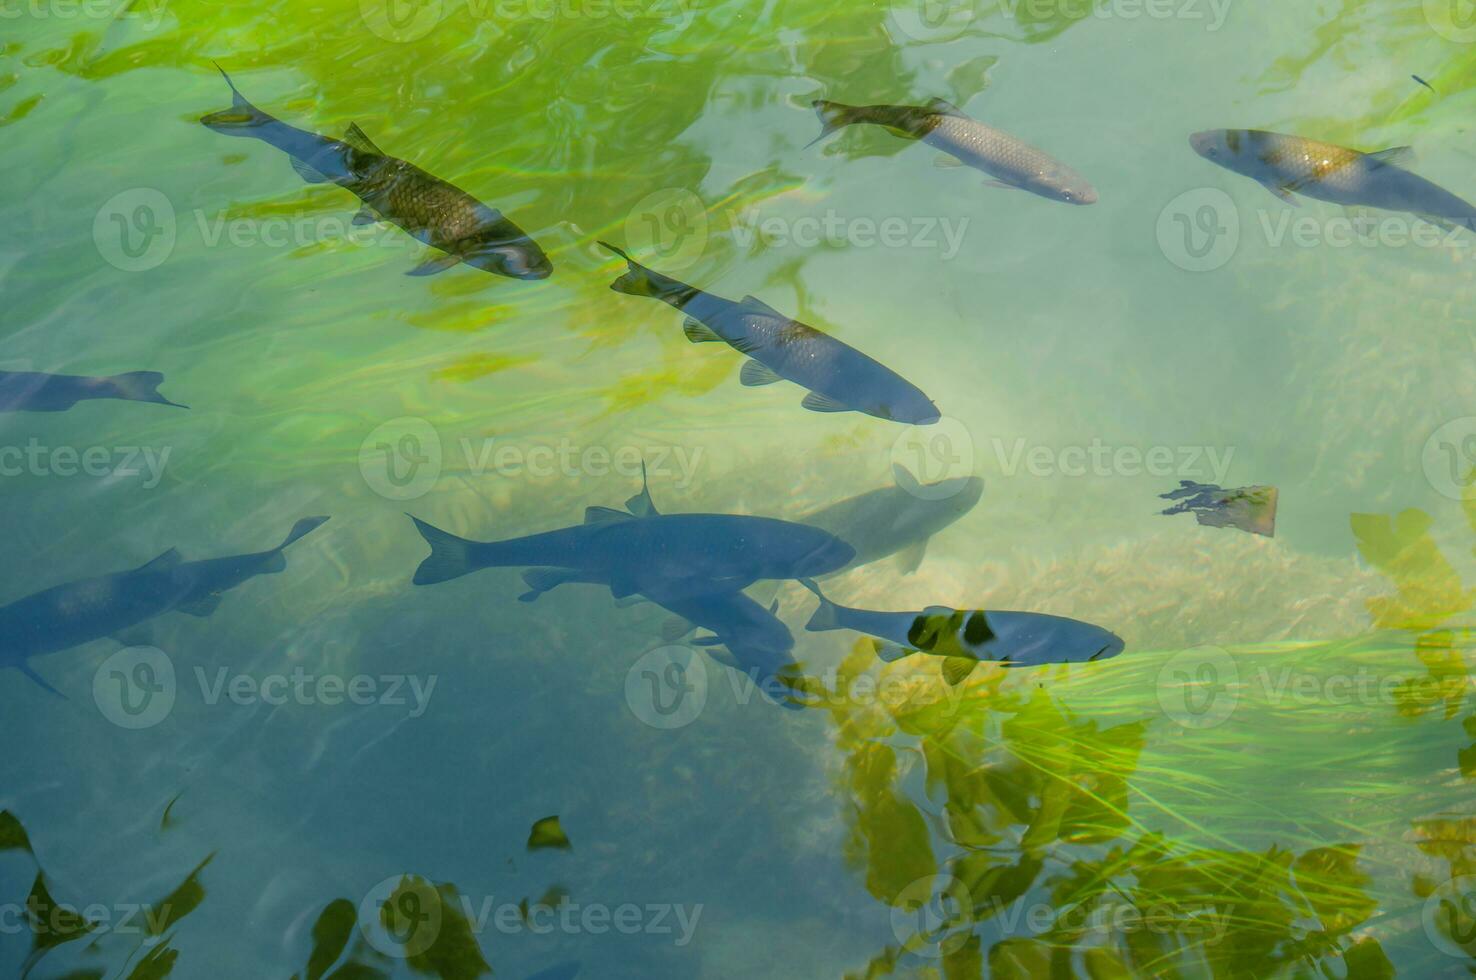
column 1274, row 779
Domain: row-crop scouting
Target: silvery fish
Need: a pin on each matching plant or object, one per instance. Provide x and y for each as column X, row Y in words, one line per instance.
column 838, row 377
column 964, row 638
column 1012, row 163
column 69, row 615
column 32, row 391
column 673, row 556
column 1291, row 165
column 433, row 211
column 897, row 520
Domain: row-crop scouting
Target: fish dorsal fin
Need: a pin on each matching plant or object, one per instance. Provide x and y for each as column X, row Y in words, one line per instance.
column 641, row 505
column 943, row 107
column 755, row 305
column 605, row 515
column 817, row 402
column 909, row 558
column 307, row 173
column 955, row 669
column 1394, row 156
column 904, row 479
column 699, row 333
column 355, row 137
column 756, row 375
column 675, row 628
column 166, row 561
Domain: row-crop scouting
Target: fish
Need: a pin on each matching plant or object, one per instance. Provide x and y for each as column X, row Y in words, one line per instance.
column 1011, row 162
column 1291, row 165
column 897, row 520
column 966, row 638
column 33, row 391
column 839, row 378
column 433, row 211
column 1250, row 509
column 1424, row 83
column 671, row 556
column 69, row 615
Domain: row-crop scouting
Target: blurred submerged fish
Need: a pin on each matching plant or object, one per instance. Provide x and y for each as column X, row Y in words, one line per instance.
column 1250, row 509
column 1012, row 163
column 1291, row 165
column 1424, row 83
column 897, row 520
column 838, row 377
column 433, row 211
column 757, row 642
column 965, row 638
column 69, row 615
column 32, row 391
column 676, row 556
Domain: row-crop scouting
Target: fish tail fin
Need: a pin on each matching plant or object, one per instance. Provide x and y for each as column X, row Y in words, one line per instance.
column 241, row 115
column 141, row 386
column 641, row 281
column 833, row 116
column 275, row 560
column 451, row 557
column 827, row 616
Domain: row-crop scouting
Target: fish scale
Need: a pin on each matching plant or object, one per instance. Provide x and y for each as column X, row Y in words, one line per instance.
column 988, row 148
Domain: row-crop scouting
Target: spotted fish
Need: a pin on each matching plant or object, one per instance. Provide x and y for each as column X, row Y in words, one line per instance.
column 964, row 638
column 432, row 210
column 1012, row 162
column 1291, row 165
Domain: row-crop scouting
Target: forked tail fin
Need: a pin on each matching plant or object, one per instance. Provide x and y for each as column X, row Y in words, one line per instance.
column 451, row 557
column 827, row 616
column 833, row 116
column 242, row 115
column 141, row 386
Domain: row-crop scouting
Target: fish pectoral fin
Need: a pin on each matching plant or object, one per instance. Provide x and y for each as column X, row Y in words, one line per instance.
column 306, row 171
column 604, row 515
column 1002, row 185
column 366, row 216
column 909, row 558
column 169, row 559
column 756, row 375
column 699, row 333
column 945, row 162
column 434, row 264
column 724, row 657
column 1444, row 224
column 944, row 107
column 955, row 669
column 675, row 628
column 1283, row 193
column 890, row 652
column 707, row 641
column 817, row 402
column 355, row 137
column 202, row 606
column 1394, row 156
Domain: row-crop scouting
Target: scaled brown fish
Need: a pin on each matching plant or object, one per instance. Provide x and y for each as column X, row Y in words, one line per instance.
column 435, row 212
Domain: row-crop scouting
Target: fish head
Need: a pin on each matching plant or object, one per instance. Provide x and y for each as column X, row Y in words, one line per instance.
column 516, row 260
column 1059, row 182
column 1111, row 646
column 1220, row 146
